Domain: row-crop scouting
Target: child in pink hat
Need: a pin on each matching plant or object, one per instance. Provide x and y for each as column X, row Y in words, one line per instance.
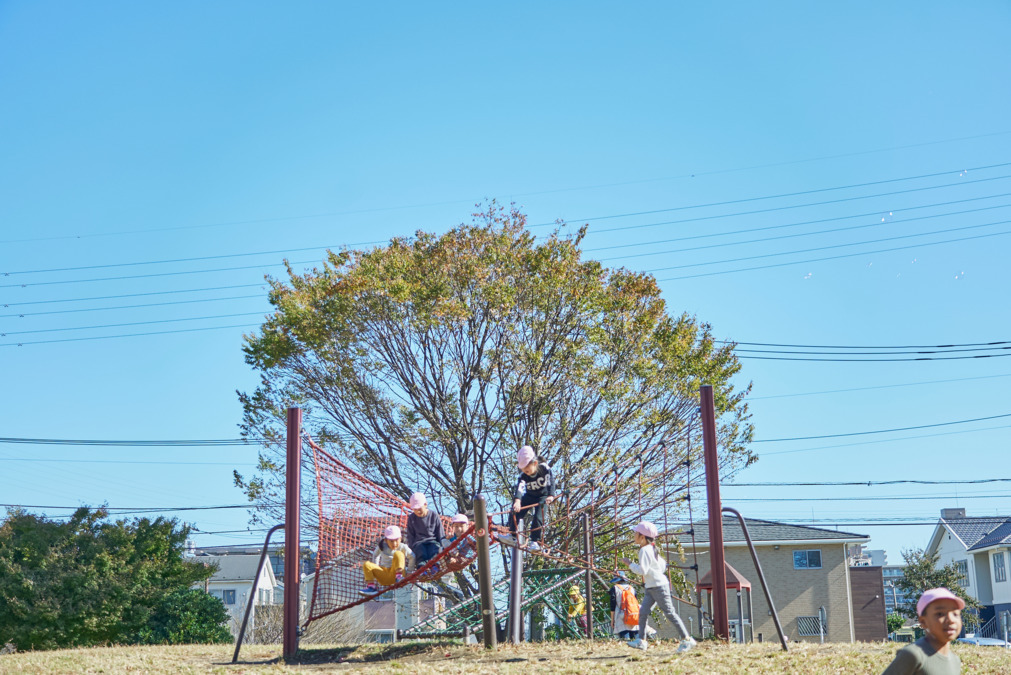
column 458, row 524
column 652, row 566
column 940, row 613
column 534, row 490
column 390, row 561
column 424, row 529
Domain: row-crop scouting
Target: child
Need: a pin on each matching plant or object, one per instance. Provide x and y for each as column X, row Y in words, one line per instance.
column 940, row 613
column 577, row 607
column 458, row 524
column 390, row 561
column 651, row 567
column 538, row 491
column 623, row 598
column 424, row 530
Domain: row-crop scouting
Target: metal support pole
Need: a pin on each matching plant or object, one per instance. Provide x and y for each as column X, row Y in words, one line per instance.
column 516, row 588
column 589, row 577
column 292, row 549
column 740, row 616
column 721, row 619
column 482, row 531
column 252, row 592
column 761, row 576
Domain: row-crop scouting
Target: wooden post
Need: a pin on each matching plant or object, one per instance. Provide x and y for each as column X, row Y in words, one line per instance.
column 721, row 618
column 482, row 531
column 292, row 552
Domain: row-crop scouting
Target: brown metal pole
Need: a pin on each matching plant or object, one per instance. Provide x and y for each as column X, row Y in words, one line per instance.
column 721, row 615
column 252, row 592
column 292, row 552
column 483, row 533
column 589, row 577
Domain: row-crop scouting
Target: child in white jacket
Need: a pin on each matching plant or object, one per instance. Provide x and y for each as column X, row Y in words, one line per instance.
column 652, row 567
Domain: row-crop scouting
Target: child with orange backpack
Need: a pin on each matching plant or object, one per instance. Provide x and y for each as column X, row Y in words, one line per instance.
column 624, row 608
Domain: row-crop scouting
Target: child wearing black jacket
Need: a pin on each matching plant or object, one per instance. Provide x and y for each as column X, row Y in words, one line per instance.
column 534, row 490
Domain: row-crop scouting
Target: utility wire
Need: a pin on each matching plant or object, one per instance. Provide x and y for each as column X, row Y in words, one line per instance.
column 259, row 296
column 881, row 386
column 135, row 295
column 764, row 228
column 133, row 323
column 868, row 483
column 800, row 193
column 882, row 431
column 830, row 247
column 835, row 257
column 161, row 443
column 128, row 335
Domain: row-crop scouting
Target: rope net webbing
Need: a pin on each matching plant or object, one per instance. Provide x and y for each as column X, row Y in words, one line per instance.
column 353, row 512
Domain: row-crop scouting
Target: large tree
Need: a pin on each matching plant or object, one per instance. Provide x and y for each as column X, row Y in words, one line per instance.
column 87, row 581
column 426, row 363
column 922, row 572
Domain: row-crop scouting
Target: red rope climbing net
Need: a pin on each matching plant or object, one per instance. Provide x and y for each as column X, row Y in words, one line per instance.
column 353, row 513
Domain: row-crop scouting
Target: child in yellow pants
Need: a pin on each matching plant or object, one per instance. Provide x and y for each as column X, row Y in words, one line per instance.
column 390, row 561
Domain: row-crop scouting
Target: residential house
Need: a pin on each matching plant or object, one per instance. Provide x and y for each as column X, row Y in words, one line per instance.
column 809, row 578
column 275, row 556
column 232, row 582
column 979, row 547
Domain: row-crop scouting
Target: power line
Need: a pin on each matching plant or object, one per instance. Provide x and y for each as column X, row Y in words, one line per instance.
column 777, row 344
column 775, row 209
column 878, row 353
column 831, row 246
column 868, row 483
column 142, row 306
column 814, row 233
column 835, row 257
column 155, row 274
column 882, row 431
column 764, row 228
column 126, row 335
column 119, row 461
column 541, row 192
column 135, row 295
column 134, row 323
column 800, row 193
column 193, row 442
column 867, row 499
column 885, row 440
column 881, row 386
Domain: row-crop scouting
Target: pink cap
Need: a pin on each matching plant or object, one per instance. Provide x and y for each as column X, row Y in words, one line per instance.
column 459, row 518
column 525, row 456
column 418, row 500
column 935, row 594
column 646, row 529
column 392, row 532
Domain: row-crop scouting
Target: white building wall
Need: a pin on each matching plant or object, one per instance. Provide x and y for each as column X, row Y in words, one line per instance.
column 1001, row 589
column 952, row 550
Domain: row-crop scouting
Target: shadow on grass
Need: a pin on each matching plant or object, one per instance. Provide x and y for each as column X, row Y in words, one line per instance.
column 367, row 653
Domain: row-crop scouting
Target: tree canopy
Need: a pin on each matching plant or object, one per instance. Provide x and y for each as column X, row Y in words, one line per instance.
column 88, row 581
column 427, row 362
column 922, row 573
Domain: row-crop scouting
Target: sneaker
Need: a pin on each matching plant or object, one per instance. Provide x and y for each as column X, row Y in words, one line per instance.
column 398, row 578
column 507, row 539
column 370, row 589
column 637, row 644
column 686, row 644
column 534, row 546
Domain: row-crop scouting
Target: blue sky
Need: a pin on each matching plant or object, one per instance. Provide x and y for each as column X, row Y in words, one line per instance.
column 150, row 132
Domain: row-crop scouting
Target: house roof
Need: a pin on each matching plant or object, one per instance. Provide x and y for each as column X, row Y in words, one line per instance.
column 981, row 532
column 734, row 579
column 234, row 567
column 768, row 530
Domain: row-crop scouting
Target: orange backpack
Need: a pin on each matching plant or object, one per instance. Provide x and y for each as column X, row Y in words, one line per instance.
column 629, row 607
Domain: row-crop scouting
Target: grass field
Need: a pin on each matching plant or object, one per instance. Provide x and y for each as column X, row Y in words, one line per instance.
column 452, row 657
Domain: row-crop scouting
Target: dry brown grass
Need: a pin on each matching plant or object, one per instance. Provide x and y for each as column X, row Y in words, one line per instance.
column 451, row 657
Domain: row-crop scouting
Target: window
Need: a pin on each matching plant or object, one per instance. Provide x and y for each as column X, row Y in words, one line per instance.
column 999, row 571
column 807, row 560
column 962, row 567
column 228, row 596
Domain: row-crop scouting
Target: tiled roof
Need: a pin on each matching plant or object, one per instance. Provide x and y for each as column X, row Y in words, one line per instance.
column 768, row 530
column 982, row 532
